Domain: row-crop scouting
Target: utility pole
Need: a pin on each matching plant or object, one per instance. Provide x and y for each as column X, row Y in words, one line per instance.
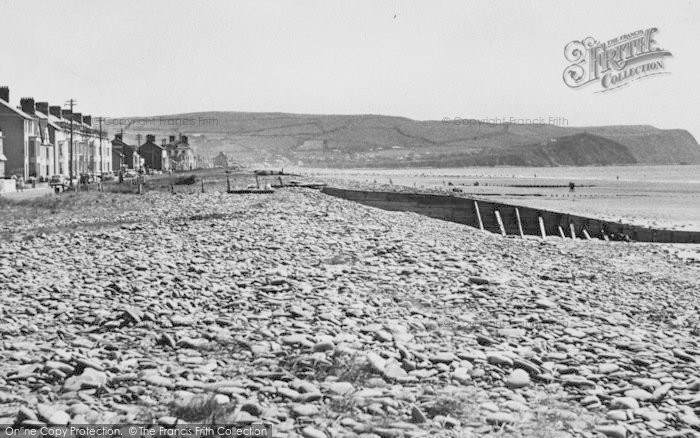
column 71, row 103
column 138, row 143
column 100, row 119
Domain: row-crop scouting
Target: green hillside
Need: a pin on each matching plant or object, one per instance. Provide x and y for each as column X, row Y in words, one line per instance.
column 374, row 140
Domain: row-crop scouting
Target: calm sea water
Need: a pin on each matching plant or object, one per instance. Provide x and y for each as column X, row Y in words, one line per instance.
column 660, row 174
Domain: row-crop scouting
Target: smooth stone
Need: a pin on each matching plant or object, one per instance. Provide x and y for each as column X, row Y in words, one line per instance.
column 90, row 378
column 617, row 415
column 444, row 357
column 304, row 410
column 518, row 378
column 312, row 432
column 324, row 346
column 574, row 333
column 607, row 368
column 638, row 394
column 613, row 431
column 624, row 402
column 417, row 416
column 498, row 359
column 376, row 362
column 341, row 387
column 532, row 369
column 499, row 418
column 461, row 375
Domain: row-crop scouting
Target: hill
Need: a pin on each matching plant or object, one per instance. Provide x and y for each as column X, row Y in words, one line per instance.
column 387, row 141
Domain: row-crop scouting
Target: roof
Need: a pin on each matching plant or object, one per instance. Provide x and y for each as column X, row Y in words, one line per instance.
column 52, row 120
column 150, row 143
column 18, row 111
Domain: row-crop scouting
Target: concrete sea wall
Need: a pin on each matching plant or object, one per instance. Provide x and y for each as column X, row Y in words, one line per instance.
column 513, row 219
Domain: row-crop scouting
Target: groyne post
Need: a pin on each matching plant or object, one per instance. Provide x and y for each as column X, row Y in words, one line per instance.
column 500, row 223
column 543, row 231
column 520, row 225
column 478, row 216
column 586, row 235
column 561, row 232
column 572, row 229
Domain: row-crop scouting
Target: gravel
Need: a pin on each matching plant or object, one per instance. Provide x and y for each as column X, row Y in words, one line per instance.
column 328, row 318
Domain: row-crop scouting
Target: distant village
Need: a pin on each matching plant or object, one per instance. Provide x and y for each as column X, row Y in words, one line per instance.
column 35, row 140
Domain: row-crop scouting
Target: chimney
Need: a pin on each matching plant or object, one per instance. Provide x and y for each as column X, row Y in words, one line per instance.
column 184, row 139
column 87, row 120
column 78, row 117
column 27, row 104
column 42, row 107
column 150, row 138
column 172, row 139
column 163, row 141
column 5, row 94
column 119, row 136
column 56, row 111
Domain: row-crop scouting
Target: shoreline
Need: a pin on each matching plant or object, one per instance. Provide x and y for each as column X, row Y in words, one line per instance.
column 667, row 204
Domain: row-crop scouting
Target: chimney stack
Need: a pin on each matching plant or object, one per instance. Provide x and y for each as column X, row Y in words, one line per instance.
column 56, row 111
column 119, row 136
column 78, row 117
column 87, row 120
column 172, row 139
column 42, row 107
column 5, row 94
column 162, row 141
column 150, row 138
column 184, row 139
column 27, row 105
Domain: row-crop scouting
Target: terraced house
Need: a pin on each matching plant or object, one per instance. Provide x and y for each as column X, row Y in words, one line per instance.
column 3, row 159
column 180, row 154
column 155, row 156
column 124, row 156
column 26, row 143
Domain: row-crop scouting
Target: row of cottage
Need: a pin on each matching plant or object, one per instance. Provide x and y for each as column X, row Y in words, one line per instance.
column 35, row 142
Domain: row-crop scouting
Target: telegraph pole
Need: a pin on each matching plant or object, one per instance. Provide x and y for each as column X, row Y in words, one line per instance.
column 100, row 119
column 71, row 103
column 138, row 144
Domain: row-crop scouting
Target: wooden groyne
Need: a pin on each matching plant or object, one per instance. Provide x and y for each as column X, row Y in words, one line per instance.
column 508, row 219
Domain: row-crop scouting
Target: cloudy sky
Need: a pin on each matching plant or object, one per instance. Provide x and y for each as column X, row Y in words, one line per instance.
column 424, row 60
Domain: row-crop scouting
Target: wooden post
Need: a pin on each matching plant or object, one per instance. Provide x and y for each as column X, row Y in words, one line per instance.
column 172, row 188
column 228, row 183
column 281, row 183
column 520, row 225
column 202, row 185
column 500, row 223
column 478, row 216
column 573, row 230
column 543, row 231
column 257, row 181
column 140, row 188
column 586, row 235
column 605, row 236
column 561, row 232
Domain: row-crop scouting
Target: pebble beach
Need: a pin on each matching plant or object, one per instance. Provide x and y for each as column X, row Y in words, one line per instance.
column 325, row 318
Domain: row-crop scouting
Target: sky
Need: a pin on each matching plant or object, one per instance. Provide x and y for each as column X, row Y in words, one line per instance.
column 426, row 60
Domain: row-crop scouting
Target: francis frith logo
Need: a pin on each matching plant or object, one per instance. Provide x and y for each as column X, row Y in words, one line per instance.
column 614, row 63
